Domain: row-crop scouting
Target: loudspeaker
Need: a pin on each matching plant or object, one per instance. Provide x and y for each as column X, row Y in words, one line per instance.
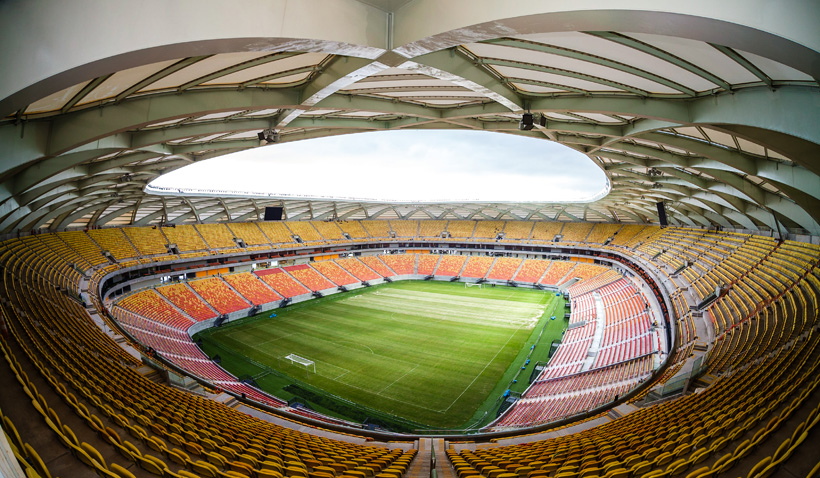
column 662, row 214
column 274, row 213
column 526, row 123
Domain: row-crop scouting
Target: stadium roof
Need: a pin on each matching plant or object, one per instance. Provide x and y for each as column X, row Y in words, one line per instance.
column 711, row 107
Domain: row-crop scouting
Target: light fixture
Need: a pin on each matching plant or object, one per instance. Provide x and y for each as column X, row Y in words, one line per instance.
column 268, row 136
column 526, row 123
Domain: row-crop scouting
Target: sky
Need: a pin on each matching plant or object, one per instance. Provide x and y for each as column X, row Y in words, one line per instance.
column 410, row 165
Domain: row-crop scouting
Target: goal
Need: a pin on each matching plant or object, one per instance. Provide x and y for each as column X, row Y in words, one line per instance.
column 301, row 360
column 473, row 284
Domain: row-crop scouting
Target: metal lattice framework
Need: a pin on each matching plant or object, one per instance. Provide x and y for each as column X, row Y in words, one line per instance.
column 710, row 107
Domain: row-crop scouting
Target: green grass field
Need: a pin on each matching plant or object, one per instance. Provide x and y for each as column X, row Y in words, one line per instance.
column 436, row 354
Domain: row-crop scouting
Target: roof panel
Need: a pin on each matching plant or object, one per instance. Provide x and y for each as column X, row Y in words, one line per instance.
column 511, row 72
column 202, row 68
column 613, row 51
column 122, row 80
column 701, row 54
column 775, row 70
column 55, row 101
column 278, row 66
column 570, row 64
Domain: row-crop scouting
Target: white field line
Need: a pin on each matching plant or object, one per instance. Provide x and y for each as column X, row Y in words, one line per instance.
column 482, row 370
column 394, row 381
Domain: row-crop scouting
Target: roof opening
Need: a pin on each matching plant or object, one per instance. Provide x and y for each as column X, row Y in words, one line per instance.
column 400, row 166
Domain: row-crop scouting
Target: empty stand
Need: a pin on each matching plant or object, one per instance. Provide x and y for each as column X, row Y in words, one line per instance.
column 217, row 236
column 114, row 241
column 305, row 230
column 147, row 240
column 427, row 263
column 401, row 264
column 477, row 266
column 335, row 273
column 184, row 298
column 249, row 232
column 309, row 277
column 405, row 228
column 487, row 229
column 282, row 283
column 504, row 268
column 354, row 229
column 557, row 272
column 546, row 231
column 532, row 270
column 379, row 266
column 461, row 229
column 277, row 233
column 449, row 265
column 377, row 228
column 329, row 230
column 360, row 270
column 252, row 288
column 185, row 237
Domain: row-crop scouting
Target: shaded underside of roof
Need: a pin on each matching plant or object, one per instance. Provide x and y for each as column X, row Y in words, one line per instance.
column 699, row 106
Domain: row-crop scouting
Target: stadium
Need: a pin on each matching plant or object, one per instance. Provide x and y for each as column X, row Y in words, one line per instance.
column 666, row 327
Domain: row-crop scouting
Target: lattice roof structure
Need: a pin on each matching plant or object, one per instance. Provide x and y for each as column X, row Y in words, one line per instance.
column 710, row 107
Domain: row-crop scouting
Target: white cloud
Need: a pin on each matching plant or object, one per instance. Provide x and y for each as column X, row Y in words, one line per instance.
column 408, row 165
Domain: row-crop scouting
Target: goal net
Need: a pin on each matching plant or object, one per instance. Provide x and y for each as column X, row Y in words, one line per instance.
column 302, row 361
column 473, row 284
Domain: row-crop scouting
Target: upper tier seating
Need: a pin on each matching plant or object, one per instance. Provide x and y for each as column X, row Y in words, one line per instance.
column 404, row 228
column 487, row 229
column 150, row 305
column 80, row 243
column 249, row 232
column 281, row 282
column 546, row 231
column 305, row 231
column 379, row 266
column 217, row 236
column 477, row 266
column 430, row 228
column 185, row 237
column 575, row 231
column 358, row 269
column 309, row 277
column 329, row 230
column 113, row 240
column 602, row 232
column 147, row 240
column 518, row 230
column 184, row 298
column 353, row 228
column 377, row 228
column 334, row 272
column 461, row 229
column 449, row 265
column 427, row 263
column 401, row 264
column 532, row 270
column 252, row 288
column 504, row 268
column 626, row 234
column 277, row 232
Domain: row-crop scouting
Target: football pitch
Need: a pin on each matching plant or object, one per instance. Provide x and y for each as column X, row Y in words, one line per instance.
column 436, row 354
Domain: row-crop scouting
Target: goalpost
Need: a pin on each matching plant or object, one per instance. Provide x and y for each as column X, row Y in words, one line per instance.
column 473, row 284
column 301, row 360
